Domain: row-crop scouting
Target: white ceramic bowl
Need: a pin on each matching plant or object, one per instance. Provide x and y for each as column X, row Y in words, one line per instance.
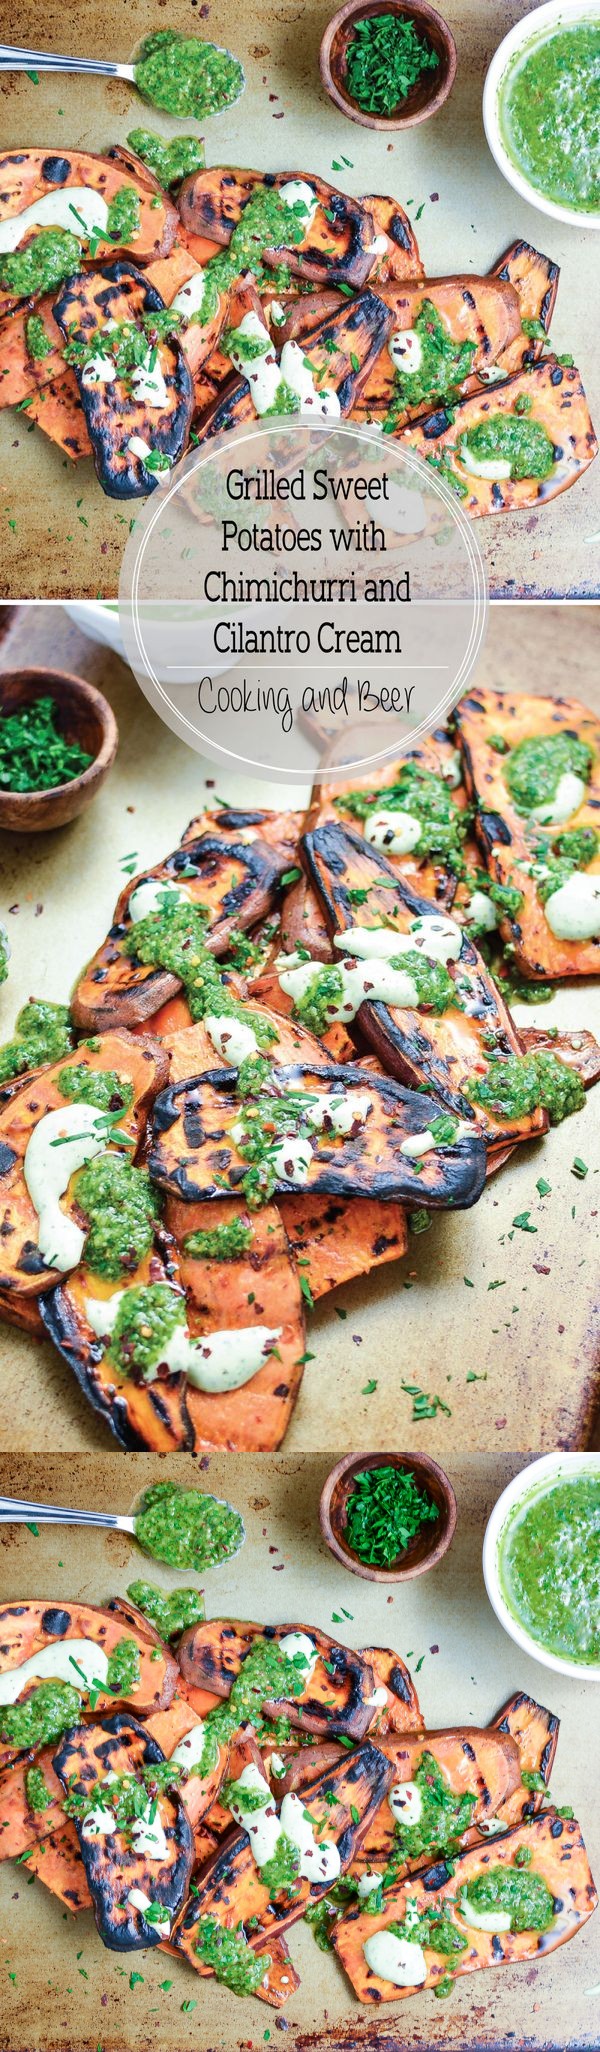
column 532, row 1481
column 533, row 28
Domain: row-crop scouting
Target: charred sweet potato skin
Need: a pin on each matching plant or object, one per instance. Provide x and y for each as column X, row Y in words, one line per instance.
column 336, row 246
column 140, row 1062
column 336, row 1239
column 535, row 1733
column 402, row 1710
column 442, row 1052
column 150, row 1415
column 212, row 1654
column 558, row 1855
column 534, row 278
column 558, row 404
column 401, row 258
column 236, row 883
column 506, row 836
column 193, row 1156
column 113, row 1865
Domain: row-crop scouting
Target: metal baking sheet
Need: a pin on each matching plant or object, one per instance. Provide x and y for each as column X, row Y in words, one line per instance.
column 61, row 537
column 62, row 1992
column 475, row 1297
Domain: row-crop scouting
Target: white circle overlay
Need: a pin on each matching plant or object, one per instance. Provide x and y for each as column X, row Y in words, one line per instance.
column 300, row 598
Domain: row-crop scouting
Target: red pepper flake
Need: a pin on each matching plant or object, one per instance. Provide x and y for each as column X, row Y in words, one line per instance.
column 540, row 1269
column 500, row 1424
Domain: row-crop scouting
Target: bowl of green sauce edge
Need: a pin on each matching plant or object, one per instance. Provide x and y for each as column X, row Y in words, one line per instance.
column 540, row 105
column 541, row 1562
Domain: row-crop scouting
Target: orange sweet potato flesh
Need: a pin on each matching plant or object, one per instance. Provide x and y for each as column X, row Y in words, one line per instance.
column 57, row 1861
column 506, row 835
column 484, row 311
column 21, row 373
column 198, row 1791
column 58, row 411
column 142, row 1064
column 148, row 1415
column 335, row 1239
column 401, row 1711
column 557, row 402
column 237, row 874
column 335, row 246
column 483, row 1763
column 21, row 1826
column 336, row 1699
column 114, row 1864
column 579, row 1050
column 535, row 1732
column 254, row 1418
column 27, row 1628
column 557, row 1854
column 428, row 874
column 535, row 281
column 444, row 1051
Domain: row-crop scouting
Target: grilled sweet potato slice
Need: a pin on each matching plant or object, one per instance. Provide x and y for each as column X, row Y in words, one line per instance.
column 141, row 1414
column 259, row 1286
column 441, row 1051
column 557, row 1855
column 193, row 1155
column 507, row 836
column 236, row 877
column 58, row 411
column 340, row 353
column 27, row 176
column 535, row 281
column 401, row 1711
column 336, row 1698
column 28, row 1628
column 579, row 1050
column 114, row 413
column 535, row 1732
column 198, row 1791
column 141, row 1063
column 336, row 245
column 482, row 1763
column 199, row 339
column 57, row 1861
column 556, row 402
column 401, row 257
column 342, row 1802
column 335, row 799
column 484, row 311
column 20, row 373
column 114, row 1865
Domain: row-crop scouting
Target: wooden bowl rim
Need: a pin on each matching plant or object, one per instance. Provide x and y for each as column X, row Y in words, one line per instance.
column 353, row 1464
column 421, row 10
column 38, row 675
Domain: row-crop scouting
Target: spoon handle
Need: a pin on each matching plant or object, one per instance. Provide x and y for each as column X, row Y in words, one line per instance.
column 17, row 1510
column 14, row 59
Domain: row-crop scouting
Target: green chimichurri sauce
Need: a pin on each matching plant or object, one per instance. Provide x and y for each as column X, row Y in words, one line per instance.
column 549, row 1561
column 516, row 1085
column 549, row 109
column 171, row 1613
column 516, row 440
column 123, row 1668
column 128, row 1797
column 52, row 255
column 123, row 222
column 442, row 370
column 39, row 1796
column 187, row 1529
column 121, row 1207
column 145, row 1323
column 99, row 1087
column 174, row 938
column 170, row 161
column 525, row 1896
column 42, row 1034
column 267, row 222
column 567, row 854
column 444, row 1816
column 223, row 1242
column 435, row 989
column 433, row 1928
column 37, row 339
column 34, row 754
column 280, row 1873
column 48, row 1711
column 533, row 770
column 314, row 1007
column 265, row 1674
column 230, row 1956
column 427, row 798
column 187, row 76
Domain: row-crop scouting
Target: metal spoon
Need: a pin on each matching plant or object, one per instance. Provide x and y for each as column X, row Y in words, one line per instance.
column 45, row 60
column 16, row 1510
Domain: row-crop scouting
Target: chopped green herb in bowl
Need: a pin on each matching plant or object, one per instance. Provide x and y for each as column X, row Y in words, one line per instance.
column 58, row 738
column 390, row 67
column 386, row 1516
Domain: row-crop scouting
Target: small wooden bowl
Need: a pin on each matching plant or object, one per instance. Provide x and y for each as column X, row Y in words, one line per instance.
column 83, row 715
column 429, row 1544
column 430, row 90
